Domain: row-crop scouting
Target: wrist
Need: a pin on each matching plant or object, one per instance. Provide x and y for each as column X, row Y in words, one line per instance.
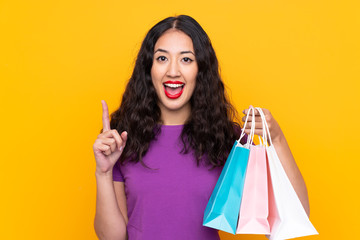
column 99, row 173
column 279, row 139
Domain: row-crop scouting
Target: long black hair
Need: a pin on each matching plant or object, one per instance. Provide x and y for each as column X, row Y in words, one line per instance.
column 212, row 126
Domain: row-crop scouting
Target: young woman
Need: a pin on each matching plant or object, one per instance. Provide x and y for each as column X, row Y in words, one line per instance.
column 159, row 158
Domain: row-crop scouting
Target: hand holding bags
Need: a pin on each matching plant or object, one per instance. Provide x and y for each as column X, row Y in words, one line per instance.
column 287, row 216
column 235, row 206
column 222, row 210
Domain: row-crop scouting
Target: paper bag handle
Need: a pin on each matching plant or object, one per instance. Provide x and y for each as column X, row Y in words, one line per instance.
column 265, row 126
column 252, row 130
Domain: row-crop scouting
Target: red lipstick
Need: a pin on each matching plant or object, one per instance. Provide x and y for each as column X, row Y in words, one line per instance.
column 174, row 82
column 173, row 92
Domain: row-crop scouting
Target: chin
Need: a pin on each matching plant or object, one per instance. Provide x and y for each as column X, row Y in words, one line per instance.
column 174, row 105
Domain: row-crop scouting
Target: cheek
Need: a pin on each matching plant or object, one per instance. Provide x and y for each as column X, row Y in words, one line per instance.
column 191, row 86
column 155, row 78
column 192, row 81
column 191, row 77
column 157, row 73
column 190, row 71
column 153, row 74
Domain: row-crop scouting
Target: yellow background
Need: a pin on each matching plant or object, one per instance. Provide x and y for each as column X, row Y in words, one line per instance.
column 58, row 59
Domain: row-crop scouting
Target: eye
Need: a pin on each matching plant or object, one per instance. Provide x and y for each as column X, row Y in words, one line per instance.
column 161, row 58
column 188, row 60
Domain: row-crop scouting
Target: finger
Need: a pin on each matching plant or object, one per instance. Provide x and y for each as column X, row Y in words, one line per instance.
column 124, row 139
column 117, row 137
column 245, row 111
column 113, row 134
column 257, row 118
column 103, row 147
column 124, row 135
column 258, row 125
column 257, row 132
column 105, row 116
column 110, row 142
column 107, row 134
column 107, row 152
column 120, row 139
column 113, row 146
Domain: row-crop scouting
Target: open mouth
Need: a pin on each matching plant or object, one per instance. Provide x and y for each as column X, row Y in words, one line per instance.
column 173, row 90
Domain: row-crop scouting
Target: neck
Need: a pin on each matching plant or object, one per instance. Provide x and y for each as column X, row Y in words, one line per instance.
column 175, row 117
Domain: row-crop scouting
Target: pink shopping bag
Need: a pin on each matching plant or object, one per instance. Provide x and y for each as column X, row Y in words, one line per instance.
column 254, row 204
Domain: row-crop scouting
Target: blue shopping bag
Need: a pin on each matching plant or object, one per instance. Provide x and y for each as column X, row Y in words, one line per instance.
column 222, row 210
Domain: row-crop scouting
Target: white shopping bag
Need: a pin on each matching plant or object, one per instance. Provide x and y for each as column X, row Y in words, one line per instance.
column 287, row 217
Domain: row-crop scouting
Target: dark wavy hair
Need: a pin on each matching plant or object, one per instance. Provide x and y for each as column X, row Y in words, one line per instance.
column 210, row 130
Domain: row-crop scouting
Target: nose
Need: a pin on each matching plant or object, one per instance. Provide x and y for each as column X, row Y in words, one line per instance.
column 173, row 69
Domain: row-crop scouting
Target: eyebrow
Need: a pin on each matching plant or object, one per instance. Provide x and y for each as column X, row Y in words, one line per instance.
column 182, row 52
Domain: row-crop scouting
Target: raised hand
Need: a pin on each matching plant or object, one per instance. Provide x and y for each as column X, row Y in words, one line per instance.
column 109, row 144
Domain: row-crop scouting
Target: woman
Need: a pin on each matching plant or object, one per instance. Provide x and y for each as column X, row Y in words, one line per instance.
column 177, row 128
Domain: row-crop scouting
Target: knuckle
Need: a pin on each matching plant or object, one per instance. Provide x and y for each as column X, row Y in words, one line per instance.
column 102, row 135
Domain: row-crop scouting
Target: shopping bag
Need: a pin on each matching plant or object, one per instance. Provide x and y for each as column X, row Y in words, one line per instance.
column 222, row 210
column 254, row 204
column 287, row 217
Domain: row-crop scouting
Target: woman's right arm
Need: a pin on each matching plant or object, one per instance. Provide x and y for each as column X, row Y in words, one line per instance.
column 109, row 222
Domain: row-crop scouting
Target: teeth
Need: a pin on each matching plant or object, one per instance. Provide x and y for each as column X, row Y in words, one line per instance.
column 173, row 85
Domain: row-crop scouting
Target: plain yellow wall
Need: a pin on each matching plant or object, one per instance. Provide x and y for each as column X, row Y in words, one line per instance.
column 58, row 59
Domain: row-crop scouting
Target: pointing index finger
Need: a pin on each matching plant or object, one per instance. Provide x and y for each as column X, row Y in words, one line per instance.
column 105, row 116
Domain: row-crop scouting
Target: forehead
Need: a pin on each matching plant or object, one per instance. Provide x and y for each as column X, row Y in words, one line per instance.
column 174, row 40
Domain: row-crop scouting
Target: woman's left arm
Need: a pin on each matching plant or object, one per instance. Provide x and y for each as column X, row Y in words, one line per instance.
column 283, row 151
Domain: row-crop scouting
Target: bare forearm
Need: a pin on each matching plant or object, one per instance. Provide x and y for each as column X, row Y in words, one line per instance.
column 109, row 223
column 287, row 160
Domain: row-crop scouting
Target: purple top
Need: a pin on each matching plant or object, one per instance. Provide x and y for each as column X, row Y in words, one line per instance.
column 169, row 202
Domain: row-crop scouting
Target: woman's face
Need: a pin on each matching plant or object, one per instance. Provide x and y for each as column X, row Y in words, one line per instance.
column 174, row 71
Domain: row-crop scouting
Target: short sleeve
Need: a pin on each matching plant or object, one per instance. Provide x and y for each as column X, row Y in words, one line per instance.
column 117, row 175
